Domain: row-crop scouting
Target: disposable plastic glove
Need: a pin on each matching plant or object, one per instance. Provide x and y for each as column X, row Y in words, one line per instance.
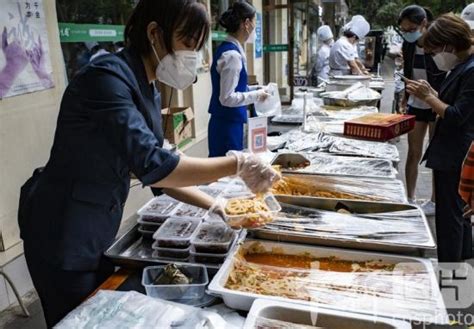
column 257, row 175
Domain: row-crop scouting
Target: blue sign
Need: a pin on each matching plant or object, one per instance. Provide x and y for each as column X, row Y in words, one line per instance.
column 259, row 38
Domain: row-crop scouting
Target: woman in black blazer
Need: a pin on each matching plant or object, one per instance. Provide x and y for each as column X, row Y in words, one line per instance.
column 109, row 126
column 450, row 40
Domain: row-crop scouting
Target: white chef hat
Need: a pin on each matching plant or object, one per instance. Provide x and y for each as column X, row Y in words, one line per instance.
column 468, row 15
column 359, row 26
column 325, row 33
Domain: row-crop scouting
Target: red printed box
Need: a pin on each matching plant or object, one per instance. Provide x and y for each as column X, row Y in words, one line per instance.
column 379, row 126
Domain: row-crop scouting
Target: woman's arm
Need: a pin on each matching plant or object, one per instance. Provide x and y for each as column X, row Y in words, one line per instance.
column 191, row 195
column 229, row 67
column 195, row 171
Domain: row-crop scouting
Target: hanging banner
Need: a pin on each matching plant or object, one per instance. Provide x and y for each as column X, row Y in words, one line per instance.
column 25, row 65
column 70, row 32
column 259, row 38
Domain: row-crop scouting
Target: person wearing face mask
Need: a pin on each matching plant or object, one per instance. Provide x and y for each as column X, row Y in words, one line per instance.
column 343, row 58
column 413, row 21
column 450, row 41
column 326, row 40
column 109, row 127
column 230, row 92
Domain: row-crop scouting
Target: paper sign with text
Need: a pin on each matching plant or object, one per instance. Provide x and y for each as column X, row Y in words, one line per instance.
column 257, row 134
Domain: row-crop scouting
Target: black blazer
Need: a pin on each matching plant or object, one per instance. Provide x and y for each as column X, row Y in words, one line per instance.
column 453, row 134
column 109, row 125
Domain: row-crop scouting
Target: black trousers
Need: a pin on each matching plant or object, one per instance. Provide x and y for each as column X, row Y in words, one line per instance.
column 454, row 233
column 61, row 291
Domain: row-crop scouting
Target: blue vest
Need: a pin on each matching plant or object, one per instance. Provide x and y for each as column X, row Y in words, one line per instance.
column 234, row 114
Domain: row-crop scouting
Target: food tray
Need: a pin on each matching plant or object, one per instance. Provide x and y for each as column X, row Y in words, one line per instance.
column 405, row 298
column 315, row 317
column 146, row 234
column 176, row 232
column 159, row 207
column 170, row 252
column 190, row 211
column 213, row 191
column 344, row 102
column 288, row 119
column 213, row 238
column 361, row 188
column 154, row 223
column 269, row 200
column 326, row 164
column 194, row 290
column 131, row 250
column 207, row 258
column 338, row 235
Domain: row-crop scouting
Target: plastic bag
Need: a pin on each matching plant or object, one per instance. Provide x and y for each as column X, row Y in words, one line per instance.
column 132, row 310
column 272, row 105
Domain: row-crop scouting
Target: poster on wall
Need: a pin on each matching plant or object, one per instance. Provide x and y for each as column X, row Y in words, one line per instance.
column 25, row 65
column 259, row 37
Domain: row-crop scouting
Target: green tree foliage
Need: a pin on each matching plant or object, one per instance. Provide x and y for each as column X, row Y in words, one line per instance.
column 382, row 13
column 94, row 11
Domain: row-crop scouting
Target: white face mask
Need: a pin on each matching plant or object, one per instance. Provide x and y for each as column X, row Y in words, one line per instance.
column 445, row 61
column 177, row 70
column 252, row 36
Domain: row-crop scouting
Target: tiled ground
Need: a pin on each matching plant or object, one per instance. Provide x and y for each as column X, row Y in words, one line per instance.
column 12, row 320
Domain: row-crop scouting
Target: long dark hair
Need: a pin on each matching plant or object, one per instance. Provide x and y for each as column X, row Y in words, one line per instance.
column 415, row 14
column 188, row 18
column 236, row 14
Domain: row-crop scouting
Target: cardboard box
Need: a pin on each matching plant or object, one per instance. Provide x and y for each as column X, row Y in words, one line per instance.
column 379, row 126
column 178, row 125
column 252, row 80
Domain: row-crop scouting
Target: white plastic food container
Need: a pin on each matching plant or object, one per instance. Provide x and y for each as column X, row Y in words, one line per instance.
column 339, row 299
column 270, row 201
column 194, row 290
column 263, row 309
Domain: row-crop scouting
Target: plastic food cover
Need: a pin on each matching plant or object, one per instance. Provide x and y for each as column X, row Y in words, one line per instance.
column 132, row 310
column 401, row 227
column 299, row 141
column 339, row 187
column 345, row 165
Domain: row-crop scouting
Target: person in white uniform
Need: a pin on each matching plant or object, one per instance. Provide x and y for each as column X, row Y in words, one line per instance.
column 468, row 15
column 343, row 58
column 326, row 40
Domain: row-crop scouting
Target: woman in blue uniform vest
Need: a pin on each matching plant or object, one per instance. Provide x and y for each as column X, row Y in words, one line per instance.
column 109, row 126
column 230, row 91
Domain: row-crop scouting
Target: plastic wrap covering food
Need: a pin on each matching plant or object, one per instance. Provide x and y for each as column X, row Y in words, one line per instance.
column 399, row 227
column 132, row 310
column 346, row 146
column 299, row 141
column 367, row 283
column 338, row 187
column 322, row 163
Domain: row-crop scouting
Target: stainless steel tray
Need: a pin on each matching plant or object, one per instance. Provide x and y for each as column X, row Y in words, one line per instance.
column 133, row 251
column 365, row 243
